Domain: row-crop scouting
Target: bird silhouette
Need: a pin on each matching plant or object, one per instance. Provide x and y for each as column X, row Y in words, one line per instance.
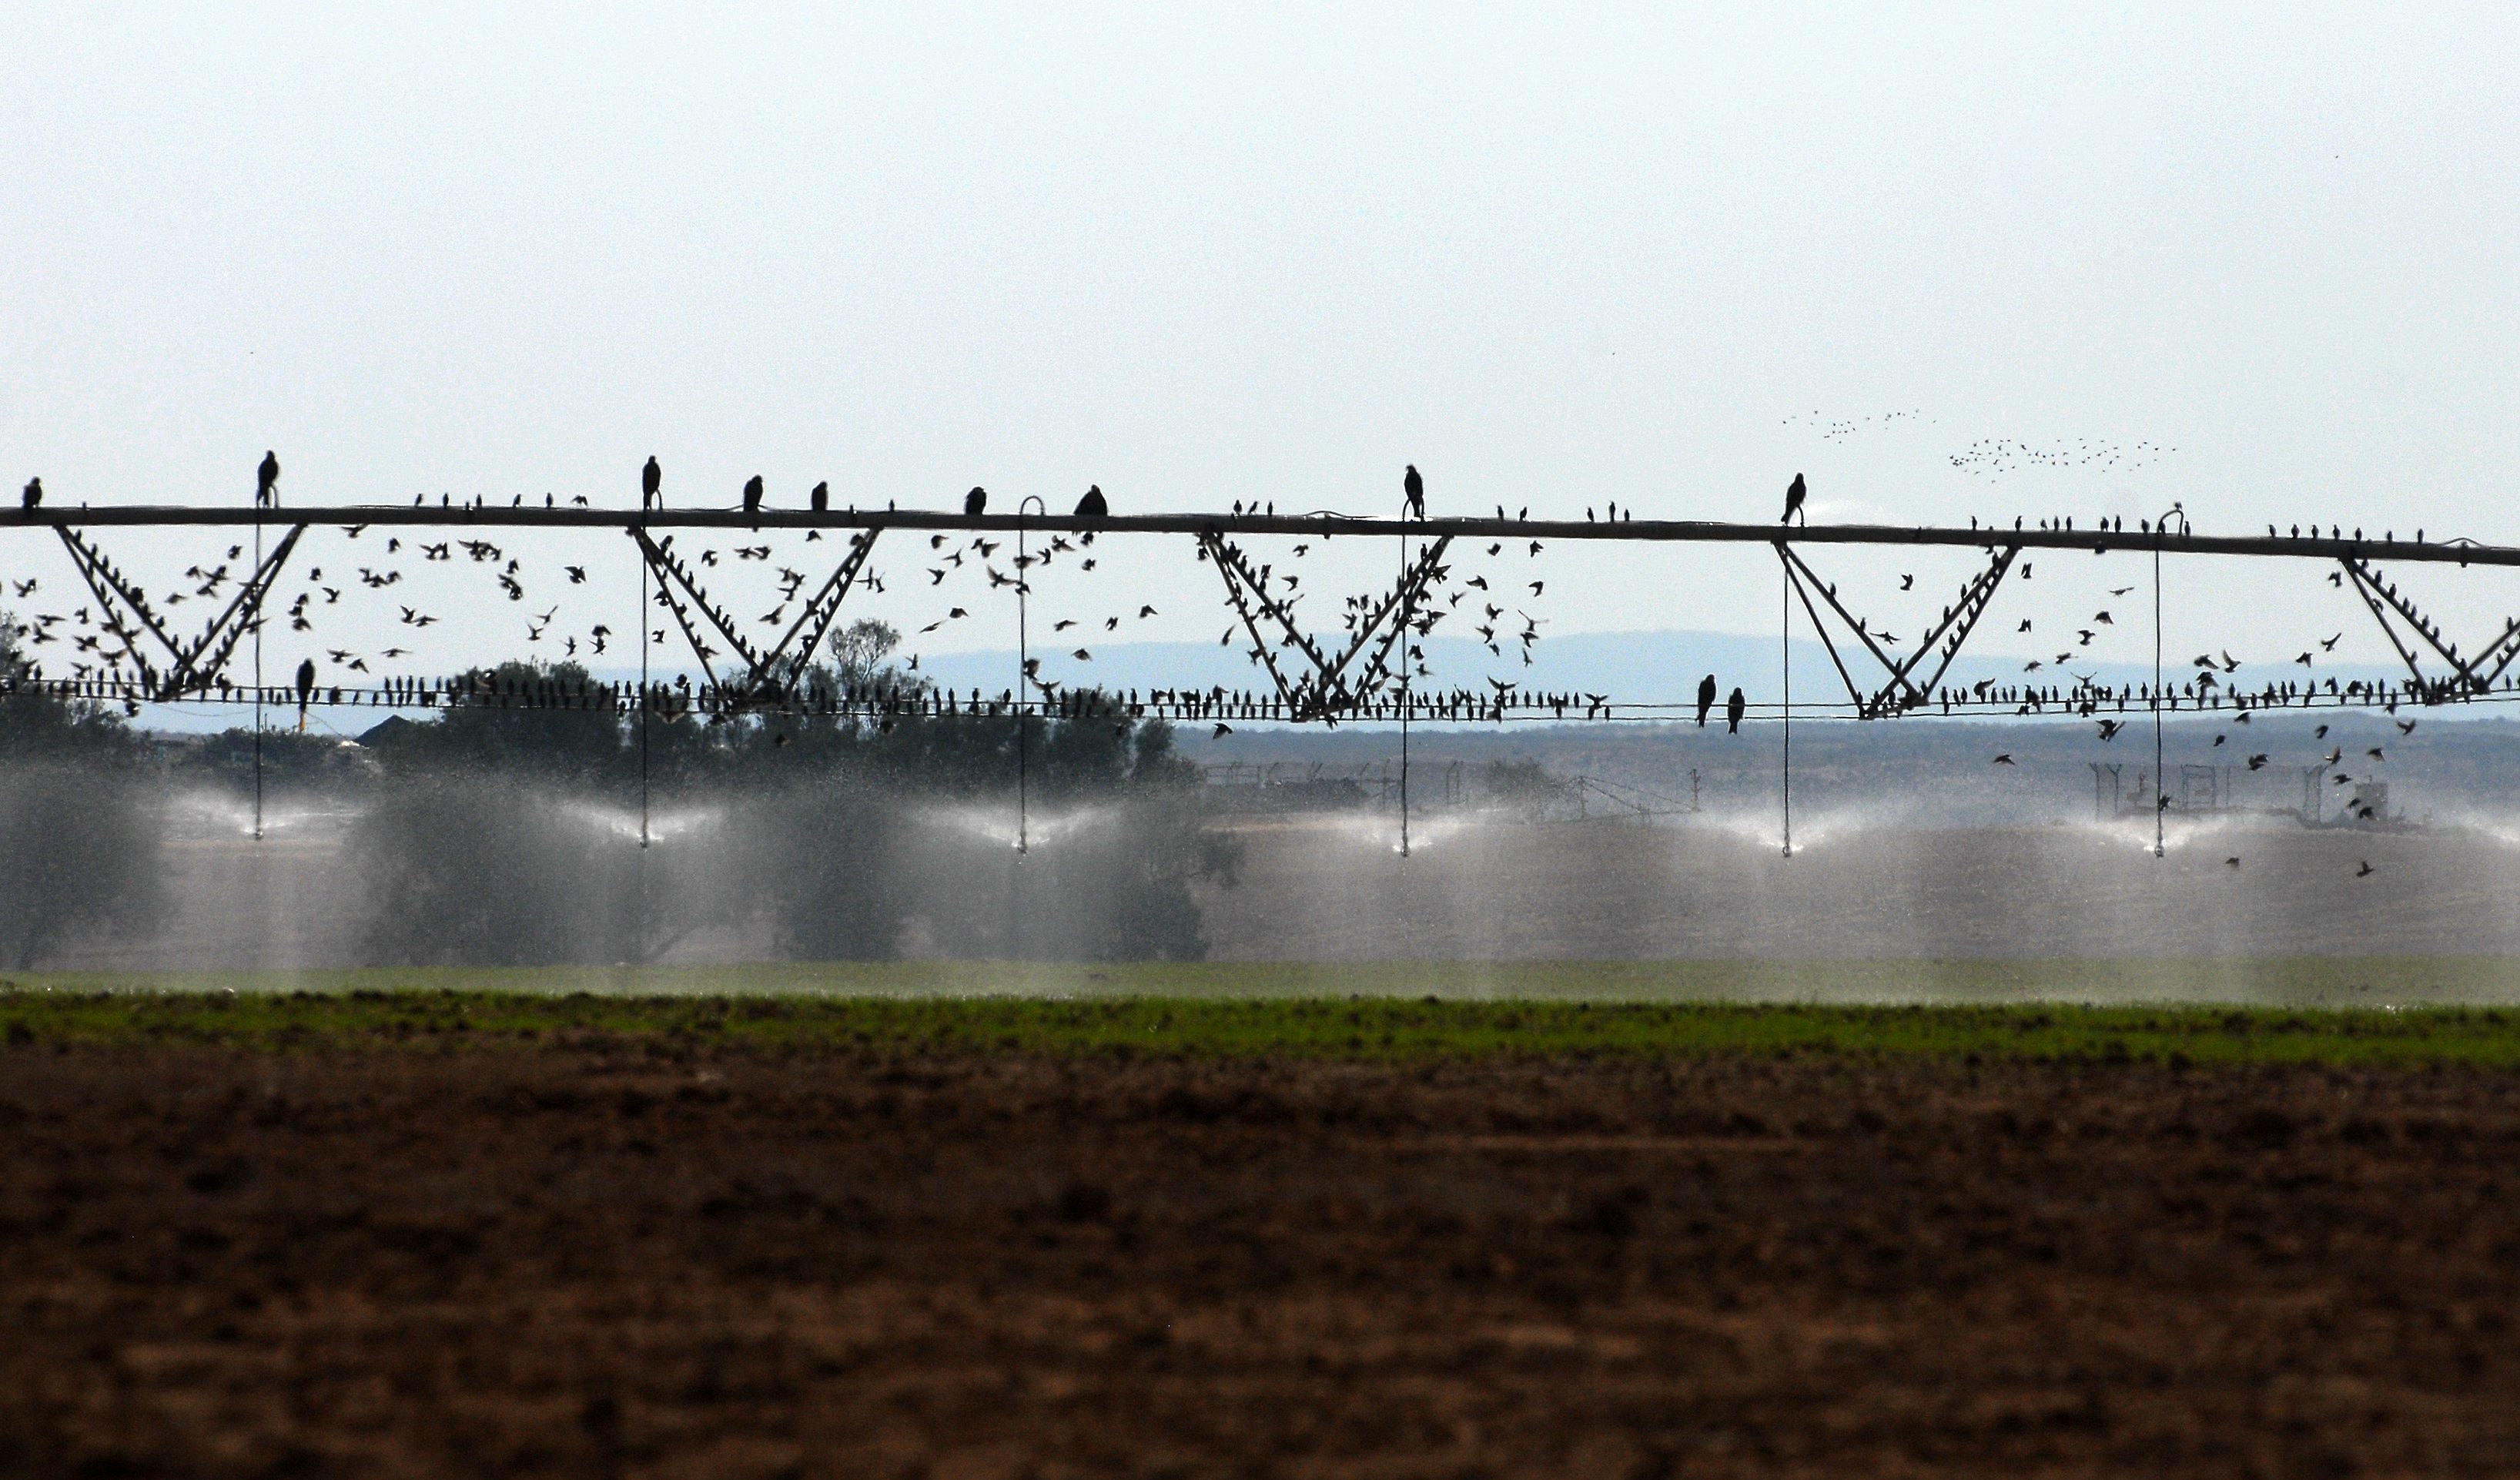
column 1415, row 487
column 752, row 494
column 1093, row 506
column 305, row 689
column 2364, row 869
column 2004, row 759
column 32, row 496
column 822, row 497
column 652, row 479
column 1795, row 492
column 266, row 490
column 1735, row 704
column 976, row 503
column 1706, row 698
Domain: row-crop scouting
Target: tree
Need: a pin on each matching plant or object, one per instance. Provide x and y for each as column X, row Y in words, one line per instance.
column 78, row 817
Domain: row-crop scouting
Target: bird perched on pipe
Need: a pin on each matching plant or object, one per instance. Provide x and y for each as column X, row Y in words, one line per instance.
column 652, row 479
column 977, row 502
column 1093, row 506
column 1415, row 487
column 1795, row 492
column 266, row 490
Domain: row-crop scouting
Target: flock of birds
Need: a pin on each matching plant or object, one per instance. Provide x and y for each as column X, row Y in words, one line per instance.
column 100, row 642
column 1839, row 428
column 1997, row 458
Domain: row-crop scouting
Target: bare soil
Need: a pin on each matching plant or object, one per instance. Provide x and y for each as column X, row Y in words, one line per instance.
column 582, row 1260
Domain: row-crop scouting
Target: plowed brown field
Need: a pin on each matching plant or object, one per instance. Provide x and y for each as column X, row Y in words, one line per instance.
column 587, row 1261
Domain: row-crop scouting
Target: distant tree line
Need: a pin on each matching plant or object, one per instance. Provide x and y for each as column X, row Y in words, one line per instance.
column 79, row 819
column 512, row 836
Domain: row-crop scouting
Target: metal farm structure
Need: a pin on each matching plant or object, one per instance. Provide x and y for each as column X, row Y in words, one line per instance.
column 1364, row 669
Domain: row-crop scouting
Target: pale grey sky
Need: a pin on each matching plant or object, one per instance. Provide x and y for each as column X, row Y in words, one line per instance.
column 1553, row 256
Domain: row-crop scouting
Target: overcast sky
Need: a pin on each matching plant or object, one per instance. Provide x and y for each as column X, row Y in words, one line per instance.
column 1555, row 256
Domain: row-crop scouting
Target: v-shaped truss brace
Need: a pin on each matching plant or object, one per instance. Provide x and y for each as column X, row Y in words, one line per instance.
column 192, row 666
column 672, row 571
column 1941, row 642
column 762, row 677
column 1328, row 689
column 2470, row 674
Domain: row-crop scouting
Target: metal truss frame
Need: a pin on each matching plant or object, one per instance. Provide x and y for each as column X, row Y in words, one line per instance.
column 761, row 679
column 192, row 668
column 1946, row 637
column 2475, row 675
column 1326, row 692
column 671, row 571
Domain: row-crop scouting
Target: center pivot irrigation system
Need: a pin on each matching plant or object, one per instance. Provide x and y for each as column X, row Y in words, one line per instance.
column 1365, row 671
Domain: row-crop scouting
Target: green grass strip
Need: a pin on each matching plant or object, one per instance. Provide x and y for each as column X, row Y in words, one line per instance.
column 1361, row 1028
column 2265, row 981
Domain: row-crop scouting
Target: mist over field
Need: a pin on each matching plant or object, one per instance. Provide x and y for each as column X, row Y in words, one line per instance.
column 514, row 838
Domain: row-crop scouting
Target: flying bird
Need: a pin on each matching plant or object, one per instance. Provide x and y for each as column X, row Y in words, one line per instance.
column 2004, row 759
column 2364, row 869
